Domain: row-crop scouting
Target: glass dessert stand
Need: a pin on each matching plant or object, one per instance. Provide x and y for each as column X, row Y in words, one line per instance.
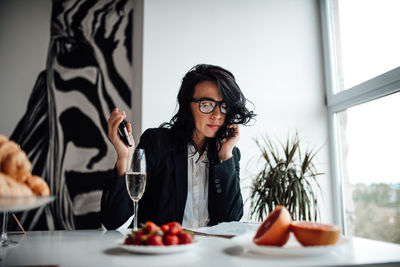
column 14, row 204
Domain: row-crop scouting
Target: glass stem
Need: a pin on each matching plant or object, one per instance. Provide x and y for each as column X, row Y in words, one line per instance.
column 4, row 237
column 135, row 214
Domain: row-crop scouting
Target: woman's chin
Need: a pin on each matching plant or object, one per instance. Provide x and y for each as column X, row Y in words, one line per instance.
column 211, row 135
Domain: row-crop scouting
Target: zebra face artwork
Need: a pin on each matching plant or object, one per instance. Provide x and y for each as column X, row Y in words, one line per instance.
column 64, row 131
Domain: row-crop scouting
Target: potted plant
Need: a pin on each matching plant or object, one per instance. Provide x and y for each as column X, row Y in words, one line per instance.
column 287, row 179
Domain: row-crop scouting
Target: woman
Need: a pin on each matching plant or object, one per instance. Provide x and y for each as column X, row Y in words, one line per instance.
column 192, row 161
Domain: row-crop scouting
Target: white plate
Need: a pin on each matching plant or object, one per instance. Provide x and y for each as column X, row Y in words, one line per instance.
column 157, row 249
column 23, row 203
column 291, row 248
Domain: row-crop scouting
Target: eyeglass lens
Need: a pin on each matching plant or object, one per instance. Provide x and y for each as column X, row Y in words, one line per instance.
column 208, row 106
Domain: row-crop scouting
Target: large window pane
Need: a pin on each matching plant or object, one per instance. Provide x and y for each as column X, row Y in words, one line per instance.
column 370, row 153
column 367, row 39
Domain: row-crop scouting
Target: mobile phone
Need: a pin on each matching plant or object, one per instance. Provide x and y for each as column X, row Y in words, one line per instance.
column 227, row 132
column 123, row 133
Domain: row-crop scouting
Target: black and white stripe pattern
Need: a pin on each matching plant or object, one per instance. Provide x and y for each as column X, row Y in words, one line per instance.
column 64, row 131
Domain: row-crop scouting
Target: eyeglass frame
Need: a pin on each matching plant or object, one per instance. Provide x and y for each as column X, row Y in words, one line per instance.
column 217, row 103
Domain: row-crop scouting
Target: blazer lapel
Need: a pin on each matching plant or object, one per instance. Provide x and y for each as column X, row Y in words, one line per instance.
column 181, row 183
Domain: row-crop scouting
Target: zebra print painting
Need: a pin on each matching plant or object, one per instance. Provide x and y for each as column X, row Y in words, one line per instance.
column 64, row 130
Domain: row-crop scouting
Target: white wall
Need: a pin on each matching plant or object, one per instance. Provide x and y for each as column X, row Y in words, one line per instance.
column 272, row 47
column 25, row 35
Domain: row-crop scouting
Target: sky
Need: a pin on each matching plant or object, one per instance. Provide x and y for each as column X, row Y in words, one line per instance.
column 370, row 41
column 373, row 133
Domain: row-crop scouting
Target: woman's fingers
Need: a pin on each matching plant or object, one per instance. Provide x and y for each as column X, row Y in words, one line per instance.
column 115, row 119
column 228, row 143
column 111, row 120
column 234, row 137
column 129, row 128
column 236, row 130
column 122, row 149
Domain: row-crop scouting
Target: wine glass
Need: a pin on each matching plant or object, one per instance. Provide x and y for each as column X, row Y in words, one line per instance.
column 136, row 180
column 4, row 241
column 11, row 204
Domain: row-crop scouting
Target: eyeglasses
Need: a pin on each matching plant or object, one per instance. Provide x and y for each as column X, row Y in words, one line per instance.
column 208, row 105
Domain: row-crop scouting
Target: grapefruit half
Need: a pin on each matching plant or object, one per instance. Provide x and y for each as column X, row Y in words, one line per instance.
column 315, row 234
column 275, row 230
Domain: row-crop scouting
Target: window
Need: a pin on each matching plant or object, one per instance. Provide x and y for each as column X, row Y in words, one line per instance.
column 367, row 39
column 362, row 66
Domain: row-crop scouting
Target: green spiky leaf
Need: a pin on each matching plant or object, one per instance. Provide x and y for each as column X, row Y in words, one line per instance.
column 288, row 178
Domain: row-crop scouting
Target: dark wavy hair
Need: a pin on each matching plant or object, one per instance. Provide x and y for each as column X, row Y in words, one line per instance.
column 182, row 123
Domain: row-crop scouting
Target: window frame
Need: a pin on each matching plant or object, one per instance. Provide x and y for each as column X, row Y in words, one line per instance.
column 337, row 101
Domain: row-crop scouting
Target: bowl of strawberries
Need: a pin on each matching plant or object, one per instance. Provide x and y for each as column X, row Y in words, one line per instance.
column 154, row 239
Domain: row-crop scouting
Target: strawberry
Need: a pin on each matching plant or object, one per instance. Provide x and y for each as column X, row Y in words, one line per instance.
column 165, row 228
column 140, row 239
column 153, row 235
column 170, row 240
column 138, row 232
column 154, row 240
column 128, row 240
column 174, row 228
column 150, row 227
column 185, row 238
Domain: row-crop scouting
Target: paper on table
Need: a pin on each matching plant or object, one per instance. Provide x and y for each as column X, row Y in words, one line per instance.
column 227, row 229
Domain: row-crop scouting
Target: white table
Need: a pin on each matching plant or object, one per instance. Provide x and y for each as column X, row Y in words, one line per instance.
column 98, row 248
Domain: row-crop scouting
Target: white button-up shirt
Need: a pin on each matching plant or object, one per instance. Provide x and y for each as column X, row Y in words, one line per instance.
column 196, row 208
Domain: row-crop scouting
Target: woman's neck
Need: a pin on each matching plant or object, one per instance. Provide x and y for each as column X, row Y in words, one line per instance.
column 199, row 142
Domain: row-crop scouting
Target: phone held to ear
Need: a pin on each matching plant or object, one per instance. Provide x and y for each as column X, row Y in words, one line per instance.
column 123, row 133
column 229, row 132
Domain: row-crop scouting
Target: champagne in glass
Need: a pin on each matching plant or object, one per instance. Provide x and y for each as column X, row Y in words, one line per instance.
column 136, row 180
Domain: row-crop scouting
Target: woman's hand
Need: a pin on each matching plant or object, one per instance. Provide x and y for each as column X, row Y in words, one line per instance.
column 123, row 150
column 228, row 143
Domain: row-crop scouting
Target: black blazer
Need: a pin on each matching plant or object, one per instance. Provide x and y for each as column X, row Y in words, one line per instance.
column 165, row 195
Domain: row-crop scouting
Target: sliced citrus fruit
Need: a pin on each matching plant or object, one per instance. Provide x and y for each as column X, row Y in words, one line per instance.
column 315, row 234
column 275, row 230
